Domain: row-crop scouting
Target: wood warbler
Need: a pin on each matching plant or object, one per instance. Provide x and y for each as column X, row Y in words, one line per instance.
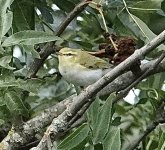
column 81, row 68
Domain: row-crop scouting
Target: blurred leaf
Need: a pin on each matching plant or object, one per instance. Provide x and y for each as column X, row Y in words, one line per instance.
column 65, row 5
column 120, row 28
column 158, row 80
column 89, row 147
column 103, row 121
column 75, row 138
column 31, row 85
column 46, row 14
column 112, row 140
column 120, row 109
column 5, row 17
column 29, row 49
column 161, row 145
column 163, row 5
column 4, row 113
column 15, row 104
column 88, row 23
column 1, row 122
column 142, row 101
column 116, row 121
column 29, row 37
column 7, row 22
column 154, row 103
column 4, row 62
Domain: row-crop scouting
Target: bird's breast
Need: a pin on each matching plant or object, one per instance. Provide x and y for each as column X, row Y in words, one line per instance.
column 80, row 76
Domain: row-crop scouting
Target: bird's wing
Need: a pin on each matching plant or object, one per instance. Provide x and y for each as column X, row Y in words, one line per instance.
column 92, row 62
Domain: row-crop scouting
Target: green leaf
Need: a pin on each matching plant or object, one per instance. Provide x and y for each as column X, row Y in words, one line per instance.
column 161, row 145
column 29, row 37
column 1, row 50
column 116, row 121
column 93, row 113
column 103, row 121
column 31, row 85
column 23, row 15
column 120, row 28
column 75, row 138
column 150, row 13
column 15, row 104
column 112, row 140
column 5, row 17
column 4, row 112
column 4, row 62
column 163, row 5
column 147, row 32
column 7, row 79
column 65, row 5
column 7, row 22
column 29, row 49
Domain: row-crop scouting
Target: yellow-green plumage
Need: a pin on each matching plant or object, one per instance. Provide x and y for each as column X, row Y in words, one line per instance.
column 80, row 67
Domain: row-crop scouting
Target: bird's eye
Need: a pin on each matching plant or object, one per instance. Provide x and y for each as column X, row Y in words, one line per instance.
column 69, row 54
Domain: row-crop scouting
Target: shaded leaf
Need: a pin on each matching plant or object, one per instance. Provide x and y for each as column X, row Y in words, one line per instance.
column 24, row 15
column 116, row 121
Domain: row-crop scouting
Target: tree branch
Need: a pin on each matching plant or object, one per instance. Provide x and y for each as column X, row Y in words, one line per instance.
column 16, row 139
column 124, row 92
column 60, row 123
column 50, row 48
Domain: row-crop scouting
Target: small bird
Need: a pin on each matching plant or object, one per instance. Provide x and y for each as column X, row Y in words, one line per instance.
column 81, row 68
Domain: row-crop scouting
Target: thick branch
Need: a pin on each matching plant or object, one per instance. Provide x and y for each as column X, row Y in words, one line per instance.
column 37, row 123
column 16, row 139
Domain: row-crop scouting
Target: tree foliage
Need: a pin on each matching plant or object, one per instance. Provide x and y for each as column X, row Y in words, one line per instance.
column 29, row 28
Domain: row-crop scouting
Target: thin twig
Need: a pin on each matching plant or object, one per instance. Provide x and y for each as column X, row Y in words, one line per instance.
column 98, row 7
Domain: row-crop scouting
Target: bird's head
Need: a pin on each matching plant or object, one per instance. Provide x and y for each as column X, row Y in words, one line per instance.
column 68, row 54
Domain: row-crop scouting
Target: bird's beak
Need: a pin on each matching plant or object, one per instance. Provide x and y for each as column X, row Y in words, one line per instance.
column 58, row 53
